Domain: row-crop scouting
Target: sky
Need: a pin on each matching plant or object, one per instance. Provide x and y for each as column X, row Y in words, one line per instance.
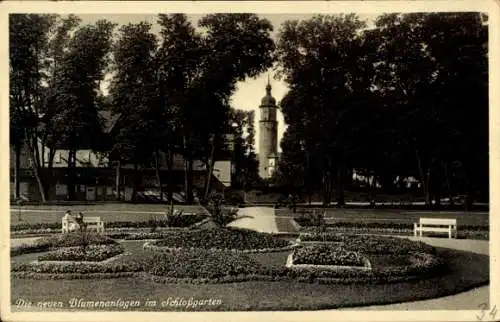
column 249, row 92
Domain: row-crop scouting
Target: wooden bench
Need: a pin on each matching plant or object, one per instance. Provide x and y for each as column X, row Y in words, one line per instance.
column 439, row 225
column 93, row 223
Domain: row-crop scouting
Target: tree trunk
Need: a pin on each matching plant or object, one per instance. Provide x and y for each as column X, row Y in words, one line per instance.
column 340, row 186
column 136, row 182
column 189, row 182
column 48, row 174
column 158, row 176
column 424, row 180
column 17, row 189
column 325, row 188
column 170, row 174
column 448, row 183
column 210, row 167
column 35, row 163
column 71, row 174
column 117, row 181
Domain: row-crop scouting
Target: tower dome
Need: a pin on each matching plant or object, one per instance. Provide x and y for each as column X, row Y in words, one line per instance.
column 268, row 100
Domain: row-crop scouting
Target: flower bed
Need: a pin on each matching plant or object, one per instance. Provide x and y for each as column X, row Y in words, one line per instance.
column 201, row 263
column 61, row 240
column 325, row 254
column 93, row 253
column 222, row 238
column 369, row 244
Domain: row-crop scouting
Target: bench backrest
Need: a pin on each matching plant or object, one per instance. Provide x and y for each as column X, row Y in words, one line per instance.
column 91, row 219
column 438, row 221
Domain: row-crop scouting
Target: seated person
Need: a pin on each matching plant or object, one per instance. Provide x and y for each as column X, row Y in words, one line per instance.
column 72, row 225
column 81, row 223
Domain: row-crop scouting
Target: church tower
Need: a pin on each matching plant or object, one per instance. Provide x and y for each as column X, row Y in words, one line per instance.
column 268, row 134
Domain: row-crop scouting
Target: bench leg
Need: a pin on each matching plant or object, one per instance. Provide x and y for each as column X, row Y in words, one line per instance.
column 420, row 230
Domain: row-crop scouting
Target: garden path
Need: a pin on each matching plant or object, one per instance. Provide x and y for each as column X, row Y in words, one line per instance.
column 261, row 219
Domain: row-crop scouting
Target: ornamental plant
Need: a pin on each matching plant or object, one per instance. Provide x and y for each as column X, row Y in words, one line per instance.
column 221, row 217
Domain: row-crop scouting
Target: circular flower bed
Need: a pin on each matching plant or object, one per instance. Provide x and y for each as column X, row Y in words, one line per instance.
column 92, row 253
column 221, row 239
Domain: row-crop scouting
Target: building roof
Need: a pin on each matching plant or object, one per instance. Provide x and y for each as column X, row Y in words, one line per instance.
column 108, row 120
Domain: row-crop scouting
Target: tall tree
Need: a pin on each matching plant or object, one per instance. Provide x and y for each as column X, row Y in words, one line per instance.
column 134, row 96
column 28, row 47
column 320, row 60
column 75, row 99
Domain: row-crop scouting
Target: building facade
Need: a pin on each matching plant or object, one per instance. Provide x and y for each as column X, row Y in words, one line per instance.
column 268, row 137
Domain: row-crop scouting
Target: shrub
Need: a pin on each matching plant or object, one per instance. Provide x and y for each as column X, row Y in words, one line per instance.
column 221, row 238
column 221, row 217
column 93, row 253
column 202, row 263
column 325, row 254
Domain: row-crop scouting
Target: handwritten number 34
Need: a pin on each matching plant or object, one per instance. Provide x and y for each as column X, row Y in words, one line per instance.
column 484, row 311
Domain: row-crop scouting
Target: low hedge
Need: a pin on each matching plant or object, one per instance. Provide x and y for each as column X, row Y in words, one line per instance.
column 327, row 254
column 222, row 238
column 93, row 253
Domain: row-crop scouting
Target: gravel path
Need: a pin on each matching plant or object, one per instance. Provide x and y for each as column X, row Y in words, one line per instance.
column 256, row 218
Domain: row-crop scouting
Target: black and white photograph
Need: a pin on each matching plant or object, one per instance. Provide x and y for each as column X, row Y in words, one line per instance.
column 313, row 163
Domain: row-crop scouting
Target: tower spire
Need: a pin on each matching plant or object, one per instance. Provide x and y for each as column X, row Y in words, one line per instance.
column 268, row 87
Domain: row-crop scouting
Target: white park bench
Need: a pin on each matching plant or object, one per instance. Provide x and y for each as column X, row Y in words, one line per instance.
column 93, row 223
column 439, row 225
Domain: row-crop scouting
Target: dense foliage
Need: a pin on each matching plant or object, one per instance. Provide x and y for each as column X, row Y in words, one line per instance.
column 407, row 97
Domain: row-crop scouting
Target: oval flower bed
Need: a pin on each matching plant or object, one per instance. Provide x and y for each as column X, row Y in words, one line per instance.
column 238, row 240
column 92, row 253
